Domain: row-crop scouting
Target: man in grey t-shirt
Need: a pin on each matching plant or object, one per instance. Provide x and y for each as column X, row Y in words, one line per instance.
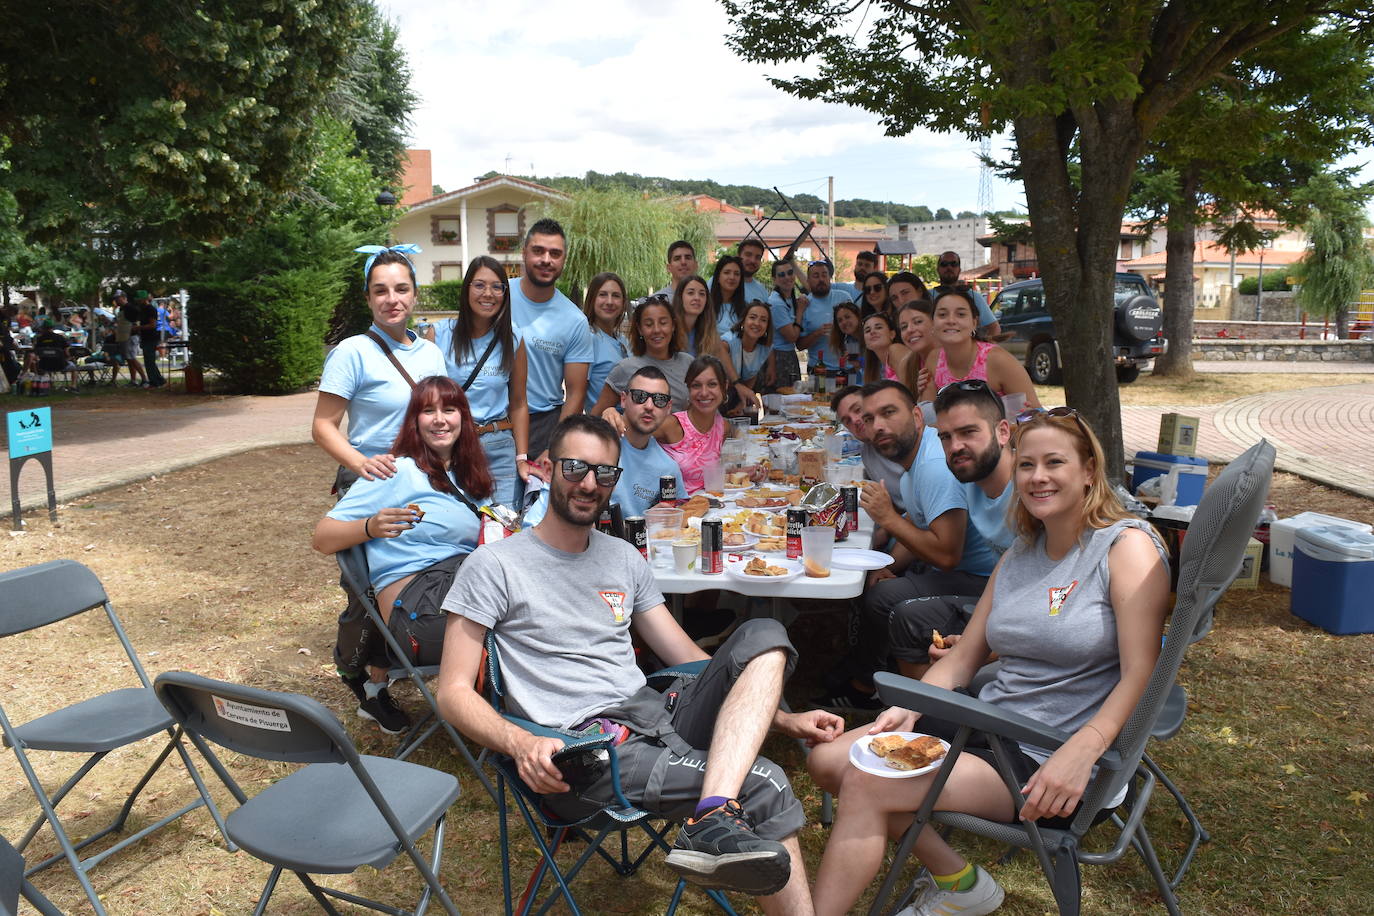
column 561, row 599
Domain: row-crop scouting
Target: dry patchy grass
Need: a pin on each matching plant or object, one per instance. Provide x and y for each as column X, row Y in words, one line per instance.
column 1210, row 388
column 211, row 572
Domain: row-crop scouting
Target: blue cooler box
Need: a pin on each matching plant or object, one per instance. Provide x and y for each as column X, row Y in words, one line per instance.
column 1192, row 474
column 1333, row 579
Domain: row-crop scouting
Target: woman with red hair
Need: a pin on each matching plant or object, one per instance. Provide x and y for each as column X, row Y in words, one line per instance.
column 418, row 526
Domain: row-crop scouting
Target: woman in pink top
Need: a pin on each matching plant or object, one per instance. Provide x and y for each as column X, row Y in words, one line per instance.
column 962, row 357
column 693, row 437
column 884, row 356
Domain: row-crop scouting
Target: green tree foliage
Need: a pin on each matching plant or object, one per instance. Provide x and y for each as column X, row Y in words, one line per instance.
column 374, row 95
column 1082, row 85
column 1275, row 281
column 443, row 296
column 1339, row 264
column 622, row 231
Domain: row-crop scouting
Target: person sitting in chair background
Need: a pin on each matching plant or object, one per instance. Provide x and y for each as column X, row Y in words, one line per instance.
column 561, row 599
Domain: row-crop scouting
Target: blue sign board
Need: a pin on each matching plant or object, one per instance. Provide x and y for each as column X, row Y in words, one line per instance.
column 30, row 431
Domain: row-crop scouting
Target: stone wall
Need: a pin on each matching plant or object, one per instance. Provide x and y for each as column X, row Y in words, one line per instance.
column 1286, row 351
column 1277, row 306
column 1260, row 330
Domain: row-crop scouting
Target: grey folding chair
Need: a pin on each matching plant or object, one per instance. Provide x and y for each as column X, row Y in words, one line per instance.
column 356, row 576
column 1211, row 559
column 34, row 597
column 337, row 813
column 13, row 885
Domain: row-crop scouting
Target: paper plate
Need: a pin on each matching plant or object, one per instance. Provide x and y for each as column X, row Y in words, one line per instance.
column 858, row 558
column 734, row 568
column 864, row 759
column 750, row 539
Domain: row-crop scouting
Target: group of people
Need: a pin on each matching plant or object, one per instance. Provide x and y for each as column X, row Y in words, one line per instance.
column 1003, row 531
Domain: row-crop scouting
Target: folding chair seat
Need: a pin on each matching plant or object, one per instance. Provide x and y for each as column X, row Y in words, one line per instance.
column 337, row 813
column 37, row 596
column 13, row 885
column 614, row 823
column 358, row 579
column 1211, row 559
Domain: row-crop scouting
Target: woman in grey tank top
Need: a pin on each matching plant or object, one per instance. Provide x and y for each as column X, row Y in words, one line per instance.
column 1075, row 608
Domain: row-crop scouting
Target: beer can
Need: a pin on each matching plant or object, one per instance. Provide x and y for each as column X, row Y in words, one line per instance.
column 712, row 546
column 796, row 521
column 603, row 521
column 851, row 506
column 637, row 533
column 667, row 488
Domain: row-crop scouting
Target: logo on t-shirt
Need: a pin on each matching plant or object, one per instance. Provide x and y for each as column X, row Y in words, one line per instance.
column 1059, row 595
column 616, row 602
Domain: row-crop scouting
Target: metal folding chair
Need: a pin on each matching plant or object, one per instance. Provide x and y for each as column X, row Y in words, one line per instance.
column 337, row 813
column 34, row 597
column 13, row 885
column 1211, row 559
column 614, row 823
column 356, row 576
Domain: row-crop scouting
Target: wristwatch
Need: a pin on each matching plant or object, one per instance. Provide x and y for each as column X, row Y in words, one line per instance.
column 522, row 457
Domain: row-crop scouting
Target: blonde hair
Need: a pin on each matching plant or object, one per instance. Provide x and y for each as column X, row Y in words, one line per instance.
column 1101, row 508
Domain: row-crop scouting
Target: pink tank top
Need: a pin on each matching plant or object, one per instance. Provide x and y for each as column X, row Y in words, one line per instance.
column 979, row 369
column 696, row 449
column 889, row 374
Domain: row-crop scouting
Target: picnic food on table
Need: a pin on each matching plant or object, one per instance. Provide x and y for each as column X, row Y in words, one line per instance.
column 758, row 566
column 937, row 640
column 737, row 479
column 900, row 754
column 695, row 507
column 415, row 508
column 774, row 544
column 734, row 539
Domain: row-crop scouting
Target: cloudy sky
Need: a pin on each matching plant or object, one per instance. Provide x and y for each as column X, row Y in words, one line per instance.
column 648, row 86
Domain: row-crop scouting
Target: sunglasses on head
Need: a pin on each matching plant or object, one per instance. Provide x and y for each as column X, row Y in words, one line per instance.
column 639, row 396
column 1030, row 413
column 975, row 384
column 574, row 469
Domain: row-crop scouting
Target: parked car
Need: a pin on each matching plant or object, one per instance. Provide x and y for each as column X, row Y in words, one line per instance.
column 1136, row 325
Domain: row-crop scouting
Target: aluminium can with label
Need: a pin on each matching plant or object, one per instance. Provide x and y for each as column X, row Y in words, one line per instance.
column 637, row 533
column 712, row 546
column 667, row 489
column 796, row 521
column 850, row 493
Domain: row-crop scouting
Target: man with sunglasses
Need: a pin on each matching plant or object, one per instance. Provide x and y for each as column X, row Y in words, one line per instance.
column 645, row 404
column 561, row 599
column 948, row 267
column 976, row 438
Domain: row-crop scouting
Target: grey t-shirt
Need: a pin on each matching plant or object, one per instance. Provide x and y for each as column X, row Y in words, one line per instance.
column 675, row 368
column 876, row 467
column 1054, row 626
column 562, row 621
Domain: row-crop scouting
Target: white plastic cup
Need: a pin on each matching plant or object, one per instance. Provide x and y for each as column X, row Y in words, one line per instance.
column 658, row 519
column 684, row 552
column 818, row 543
column 713, row 476
column 1013, row 404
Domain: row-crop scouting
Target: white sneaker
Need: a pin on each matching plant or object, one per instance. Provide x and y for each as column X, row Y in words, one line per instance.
column 985, row 896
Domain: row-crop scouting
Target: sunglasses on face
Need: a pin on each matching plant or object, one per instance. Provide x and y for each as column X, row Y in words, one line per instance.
column 783, row 273
column 639, row 396
column 949, row 263
column 574, row 469
column 878, row 288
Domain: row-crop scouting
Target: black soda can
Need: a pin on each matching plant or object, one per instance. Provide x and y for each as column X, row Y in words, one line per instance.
column 617, row 521
column 637, row 533
column 712, row 546
column 796, row 521
column 667, row 488
column 850, row 493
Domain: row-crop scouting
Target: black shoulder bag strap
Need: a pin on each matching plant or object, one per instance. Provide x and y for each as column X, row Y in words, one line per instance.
column 392, row 356
column 481, row 362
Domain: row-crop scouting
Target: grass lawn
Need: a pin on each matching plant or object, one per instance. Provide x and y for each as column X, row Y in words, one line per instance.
column 211, row 572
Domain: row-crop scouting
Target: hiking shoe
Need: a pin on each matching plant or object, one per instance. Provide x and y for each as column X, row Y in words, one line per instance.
column 383, row 710
column 984, row 897
column 355, row 684
column 849, row 699
column 720, row 850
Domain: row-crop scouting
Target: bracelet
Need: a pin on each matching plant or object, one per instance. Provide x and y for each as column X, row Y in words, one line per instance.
column 522, row 457
column 366, row 533
column 1105, row 743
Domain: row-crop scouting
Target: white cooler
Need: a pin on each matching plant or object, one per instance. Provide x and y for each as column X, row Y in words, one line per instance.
column 1283, row 533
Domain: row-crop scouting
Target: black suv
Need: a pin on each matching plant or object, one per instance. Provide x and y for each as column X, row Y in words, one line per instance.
column 1137, row 322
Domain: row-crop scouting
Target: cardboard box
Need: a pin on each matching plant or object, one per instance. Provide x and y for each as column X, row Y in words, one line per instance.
column 1250, row 566
column 1178, row 435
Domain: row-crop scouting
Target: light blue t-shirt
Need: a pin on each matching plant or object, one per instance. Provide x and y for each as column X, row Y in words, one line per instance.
column 929, row 490
column 748, row 365
column 607, row 351
column 989, row 515
column 555, row 333
column 783, row 315
column 821, row 312
column 448, row 526
column 358, row 371
column 489, row 394
column 985, row 315
column 725, row 321
column 638, row 485
column 855, row 293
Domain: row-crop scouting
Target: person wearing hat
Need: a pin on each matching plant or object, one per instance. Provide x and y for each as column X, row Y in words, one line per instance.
column 127, row 340
column 149, row 338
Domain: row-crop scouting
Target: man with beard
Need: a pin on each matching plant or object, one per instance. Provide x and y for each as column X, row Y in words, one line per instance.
column 561, row 599
column 645, row 403
column 937, row 551
column 975, row 435
column 558, row 342
column 814, row 325
column 848, row 405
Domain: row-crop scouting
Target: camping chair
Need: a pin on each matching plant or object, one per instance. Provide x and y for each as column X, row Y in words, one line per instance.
column 34, row 597
column 13, row 885
column 1211, row 559
column 611, row 823
column 358, row 579
column 337, row 813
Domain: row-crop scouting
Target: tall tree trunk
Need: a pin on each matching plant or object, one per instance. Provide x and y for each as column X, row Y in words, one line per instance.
column 1077, row 238
column 1342, row 321
column 1180, row 236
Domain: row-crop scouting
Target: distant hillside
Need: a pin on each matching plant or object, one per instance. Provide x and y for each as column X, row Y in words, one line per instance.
column 746, row 196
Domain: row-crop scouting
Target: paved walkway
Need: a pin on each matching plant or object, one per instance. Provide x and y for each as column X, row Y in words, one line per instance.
column 1325, row 434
